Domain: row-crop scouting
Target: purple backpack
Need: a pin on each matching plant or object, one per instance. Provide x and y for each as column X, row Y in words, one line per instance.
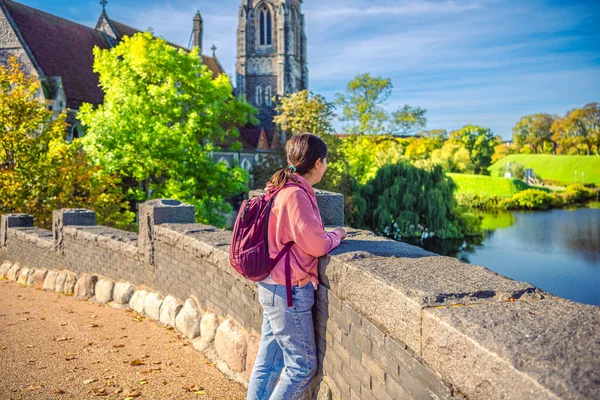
column 249, row 250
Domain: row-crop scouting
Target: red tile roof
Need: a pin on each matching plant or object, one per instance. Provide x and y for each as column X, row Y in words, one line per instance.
column 62, row 48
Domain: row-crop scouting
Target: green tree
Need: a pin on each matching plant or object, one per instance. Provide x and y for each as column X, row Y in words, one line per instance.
column 405, row 201
column 304, row 112
column 362, row 104
column 421, row 148
column 39, row 170
column 161, row 116
column 479, row 142
column 365, row 155
column 453, row 157
column 534, row 130
column 408, row 120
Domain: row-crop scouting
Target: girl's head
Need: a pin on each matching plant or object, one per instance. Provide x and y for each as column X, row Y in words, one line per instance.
column 307, row 153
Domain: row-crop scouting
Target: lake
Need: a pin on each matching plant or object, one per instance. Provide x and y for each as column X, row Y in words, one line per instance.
column 556, row 250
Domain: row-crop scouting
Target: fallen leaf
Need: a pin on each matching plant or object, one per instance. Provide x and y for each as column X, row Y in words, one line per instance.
column 59, row 391
column 118, row 346
column 136, row 363
column 93, row 326
column 64, row 324
column 100, row 392
column 3, row 348
column 62, row 339
column 88, row 381
column 32, row 387
column 133, row 393
column 70, row 357
column 30, row 346
column 143, row 382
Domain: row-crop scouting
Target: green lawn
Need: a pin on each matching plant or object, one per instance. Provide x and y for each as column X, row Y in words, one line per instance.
column 559, row 169
column 487, row 185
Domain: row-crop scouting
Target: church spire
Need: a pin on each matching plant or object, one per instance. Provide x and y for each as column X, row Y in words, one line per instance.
column 103, row 3
column 198, row 31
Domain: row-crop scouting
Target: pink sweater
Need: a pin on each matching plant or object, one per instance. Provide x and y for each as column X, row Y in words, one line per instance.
column 295, row 217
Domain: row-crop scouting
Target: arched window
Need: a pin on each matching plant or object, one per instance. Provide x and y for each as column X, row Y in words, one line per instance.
column 296, row 32
column 224, row 160
column 246, row 165
column 268, row 95
column 259, row 93
column 266, row 27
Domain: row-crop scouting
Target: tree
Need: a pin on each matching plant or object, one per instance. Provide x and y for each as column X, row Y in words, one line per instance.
column 479, row 142
column 362, row 104
column 453, row 157
column 533, row 130
column 304, row 112
column 39, row 170
column 365, row 155
column 408, row 120
column 405, row 201
column 421, row 148
column 162, row 114
column 589, row 116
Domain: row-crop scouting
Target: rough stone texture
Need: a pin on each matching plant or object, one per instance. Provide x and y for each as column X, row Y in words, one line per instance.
column 187, row 321
column 23, row 276
column 59, row 285
column 160, row 211
column 70, row 282
column 208, row 326
column 4, row 268
column 38, row 278
column 331, row 206
column 12, row 221
column 152, row 304
column 324, row 392
column 253, row 344
column 103, row 291
column 169, row 309
column 231, row 345
column 544, row 349
column 50, row 281
column 13, row 272
column 392, row 291
column 137, row 300
column 122, row 292
column 69, row 216
column 84, row 288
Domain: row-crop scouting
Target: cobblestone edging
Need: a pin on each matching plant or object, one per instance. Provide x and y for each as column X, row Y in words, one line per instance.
column 222, row 341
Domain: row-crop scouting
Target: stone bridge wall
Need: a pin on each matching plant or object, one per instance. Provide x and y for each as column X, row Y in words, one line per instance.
column 392, row 321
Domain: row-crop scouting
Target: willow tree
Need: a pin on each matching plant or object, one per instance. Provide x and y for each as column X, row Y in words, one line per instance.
column 163, row 112
column 406, row 201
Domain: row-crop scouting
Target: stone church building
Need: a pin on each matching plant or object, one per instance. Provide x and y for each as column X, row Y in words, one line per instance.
column 271, row 61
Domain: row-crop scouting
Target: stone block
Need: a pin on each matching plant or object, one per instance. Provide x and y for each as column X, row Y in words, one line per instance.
column 4, row 268
column 122, row 292
column 13, row 221
column 38, row 278
column 59, row 285
column 84, row 288
column 23, row 276
column 30, row 281
column 187, row 321
column 546, row 349
column 13, row 273
column 253, row 344
column 208, row 326
column 69, row 217
column 103, row 291
column 137, row 300
column 231, row 345
column 393, row 291
column 50, row 281
column 70, row 282
column 152, row 304
column 169, row 310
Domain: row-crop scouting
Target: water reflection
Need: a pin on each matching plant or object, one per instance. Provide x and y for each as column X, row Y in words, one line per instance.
column 557, row 250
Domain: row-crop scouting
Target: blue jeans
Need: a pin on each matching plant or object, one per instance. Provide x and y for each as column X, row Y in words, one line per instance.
column 287, row 347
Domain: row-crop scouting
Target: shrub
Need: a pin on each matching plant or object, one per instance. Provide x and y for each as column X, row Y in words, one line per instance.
column 532, row 199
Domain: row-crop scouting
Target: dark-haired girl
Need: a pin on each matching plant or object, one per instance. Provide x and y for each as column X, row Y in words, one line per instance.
column 287, row 348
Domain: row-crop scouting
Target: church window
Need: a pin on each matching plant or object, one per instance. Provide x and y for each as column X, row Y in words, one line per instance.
column 224, row 160
column 259, row 93
column 268, row 95
column 246, row 164
column 266, row 27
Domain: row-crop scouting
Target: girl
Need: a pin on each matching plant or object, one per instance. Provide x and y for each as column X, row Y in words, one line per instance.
column 288, row 339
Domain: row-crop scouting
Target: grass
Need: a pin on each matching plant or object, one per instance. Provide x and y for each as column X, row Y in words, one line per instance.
column 556, row 169
column 487, row 185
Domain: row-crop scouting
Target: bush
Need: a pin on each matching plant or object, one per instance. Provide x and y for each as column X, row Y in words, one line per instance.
column 531, row 199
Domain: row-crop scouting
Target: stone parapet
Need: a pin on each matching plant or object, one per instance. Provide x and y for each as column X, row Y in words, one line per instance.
column 391, row 320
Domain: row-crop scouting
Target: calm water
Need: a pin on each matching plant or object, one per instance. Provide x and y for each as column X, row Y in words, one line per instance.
column 557, row 250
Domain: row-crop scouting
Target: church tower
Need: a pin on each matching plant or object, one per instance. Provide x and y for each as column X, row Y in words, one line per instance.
column 272, row 53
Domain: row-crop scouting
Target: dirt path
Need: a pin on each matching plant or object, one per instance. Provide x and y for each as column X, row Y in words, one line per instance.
column 54, row 346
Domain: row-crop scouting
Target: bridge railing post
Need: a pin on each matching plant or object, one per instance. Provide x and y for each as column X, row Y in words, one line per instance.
column 12, row 221
column 160, row 211
column 69, row 217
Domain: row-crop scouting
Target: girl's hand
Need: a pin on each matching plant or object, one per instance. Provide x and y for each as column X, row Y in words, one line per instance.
column 342, row 232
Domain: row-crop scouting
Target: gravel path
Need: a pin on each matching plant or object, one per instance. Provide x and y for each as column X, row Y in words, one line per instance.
column 54, row 346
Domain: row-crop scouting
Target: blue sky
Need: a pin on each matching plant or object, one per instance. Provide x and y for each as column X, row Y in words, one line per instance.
column 485, row 62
